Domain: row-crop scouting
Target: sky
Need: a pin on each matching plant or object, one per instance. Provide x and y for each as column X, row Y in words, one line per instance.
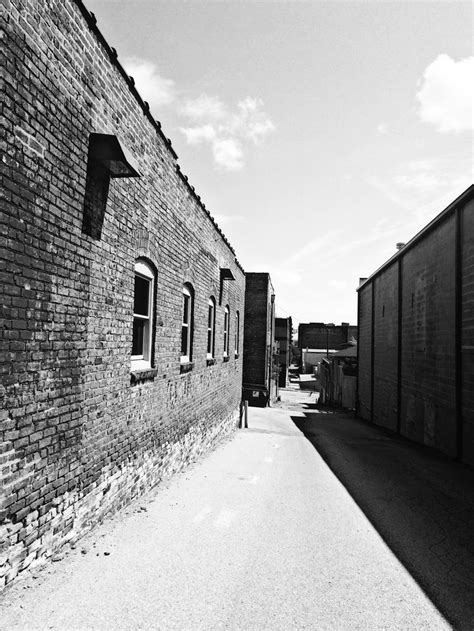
column 319, row 134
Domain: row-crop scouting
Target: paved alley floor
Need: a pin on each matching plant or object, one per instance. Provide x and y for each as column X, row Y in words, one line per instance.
column 264, row 533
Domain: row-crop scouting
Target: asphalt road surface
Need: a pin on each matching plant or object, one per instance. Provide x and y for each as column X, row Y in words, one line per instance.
column 294, row 523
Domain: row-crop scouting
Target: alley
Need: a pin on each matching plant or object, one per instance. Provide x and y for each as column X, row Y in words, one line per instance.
column 285, row 526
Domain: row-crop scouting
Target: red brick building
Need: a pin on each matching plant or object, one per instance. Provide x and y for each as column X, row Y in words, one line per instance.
column 123, row 301
column 416, row 336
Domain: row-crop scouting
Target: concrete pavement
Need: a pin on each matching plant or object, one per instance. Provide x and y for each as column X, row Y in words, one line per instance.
column 261, row 534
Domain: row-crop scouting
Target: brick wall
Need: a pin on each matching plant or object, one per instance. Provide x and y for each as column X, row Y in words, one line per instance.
column 467, row 331
column 428, row 413
column 79, row 437
column 317, row 335
column 364, row 353
column 283, row 337
column 431, row 361
column 259, row 333
column 386, row 348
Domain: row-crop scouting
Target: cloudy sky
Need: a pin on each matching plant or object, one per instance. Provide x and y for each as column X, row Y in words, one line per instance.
column 318, row 134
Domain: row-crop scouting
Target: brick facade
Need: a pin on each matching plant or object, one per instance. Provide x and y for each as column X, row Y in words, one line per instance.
column 386, row 348
column 417, row 336
column 320, row 335
column 81, row 434
column 283, row 337
column 467, row 331
column 259, row 378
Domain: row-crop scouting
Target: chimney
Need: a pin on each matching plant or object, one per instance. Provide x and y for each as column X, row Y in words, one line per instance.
column 400, row 246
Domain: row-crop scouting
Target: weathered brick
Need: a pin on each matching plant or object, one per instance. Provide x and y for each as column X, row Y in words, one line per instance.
column 76, row 423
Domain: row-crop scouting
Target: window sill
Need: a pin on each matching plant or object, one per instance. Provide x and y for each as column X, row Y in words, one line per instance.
column 225, row 358
column 143, row 374
column 186, row 367
column 210, row 361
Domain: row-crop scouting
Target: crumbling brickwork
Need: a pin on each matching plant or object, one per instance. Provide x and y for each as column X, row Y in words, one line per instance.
column 422, row 347
column 81, row 432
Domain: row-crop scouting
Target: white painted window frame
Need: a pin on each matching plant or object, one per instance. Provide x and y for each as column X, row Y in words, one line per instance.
column 186, row 358
column 211, row 329
column 143, row 361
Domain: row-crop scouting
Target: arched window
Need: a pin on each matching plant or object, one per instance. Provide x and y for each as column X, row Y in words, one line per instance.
column 237, row 335
column 226, row 332
column 211, row 327
column 187, row 325
column 143, row 315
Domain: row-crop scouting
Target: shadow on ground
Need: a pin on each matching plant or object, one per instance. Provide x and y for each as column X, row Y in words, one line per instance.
column 421, row 503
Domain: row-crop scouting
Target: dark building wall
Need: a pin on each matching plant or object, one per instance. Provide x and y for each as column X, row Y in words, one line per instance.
column 466, row 340
column 283, row 337
column 364, row 350
column 385, row 364
column 81, row 435
column 259, row 332
column 318, row 335
column 422, row 348
column 428, row 403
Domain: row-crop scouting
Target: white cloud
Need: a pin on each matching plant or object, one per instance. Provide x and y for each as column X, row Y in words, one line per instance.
column 382, row 129
column 204, row 108
column 210, row 121
column 152, row 87
column 225, row 130
column 446, row 94
column 196, row 135
column 228, row 153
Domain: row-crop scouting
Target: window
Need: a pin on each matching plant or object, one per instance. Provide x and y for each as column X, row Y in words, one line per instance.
column 226, row 333
column 142, row 316
column 211, row 327
column 187, row 325
column 237, row 332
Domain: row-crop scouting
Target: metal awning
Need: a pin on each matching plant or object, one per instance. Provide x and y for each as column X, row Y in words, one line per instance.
column 113, row 154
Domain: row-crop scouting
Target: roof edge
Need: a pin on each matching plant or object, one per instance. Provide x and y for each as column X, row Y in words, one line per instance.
column 444, row 214
column 91, row 21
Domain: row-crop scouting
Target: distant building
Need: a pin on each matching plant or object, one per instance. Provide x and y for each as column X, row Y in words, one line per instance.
column 323, row 336
column 416, row 336
column 337, row 378
column 283, row 334
column 312, row 357
column 259, row 372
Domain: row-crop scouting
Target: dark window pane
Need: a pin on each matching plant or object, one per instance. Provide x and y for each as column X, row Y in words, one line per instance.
column 138, row 329
column 186, row 310
column 142, row 286
column 209, row 342
column 184, row 340
column 210, row 317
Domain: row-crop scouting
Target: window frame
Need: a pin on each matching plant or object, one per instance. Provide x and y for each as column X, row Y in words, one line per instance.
column 211, row 329
column 226, row 332
column 144, row 360
column 187, row 292
column 237, row 334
